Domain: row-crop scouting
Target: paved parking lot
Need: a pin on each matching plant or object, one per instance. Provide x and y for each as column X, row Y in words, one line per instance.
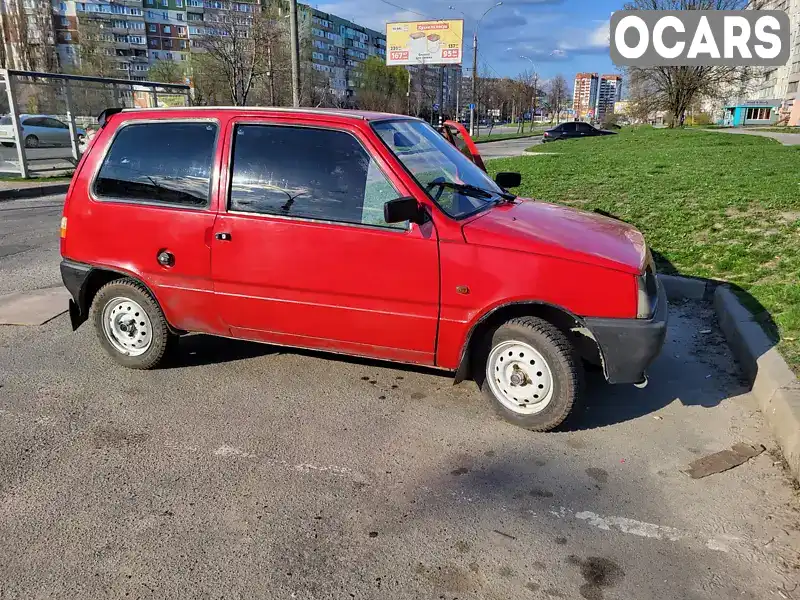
column 248, row 471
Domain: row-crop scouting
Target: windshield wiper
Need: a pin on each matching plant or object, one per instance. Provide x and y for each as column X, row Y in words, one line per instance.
column 466, row 188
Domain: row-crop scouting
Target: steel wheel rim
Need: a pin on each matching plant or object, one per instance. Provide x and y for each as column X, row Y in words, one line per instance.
column 519, row 377
column 127, row 327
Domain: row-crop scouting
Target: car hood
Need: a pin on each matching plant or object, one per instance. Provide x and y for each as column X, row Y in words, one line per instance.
column 555, row 230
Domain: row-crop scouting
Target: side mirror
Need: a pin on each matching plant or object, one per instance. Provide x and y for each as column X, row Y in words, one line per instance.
column 403, row 209
column 508, row 180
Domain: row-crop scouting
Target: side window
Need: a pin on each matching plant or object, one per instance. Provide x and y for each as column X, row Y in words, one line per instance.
column 585, row 128
column 166, row 162
column 568, row 127
column 33, row 122
column 310, row 173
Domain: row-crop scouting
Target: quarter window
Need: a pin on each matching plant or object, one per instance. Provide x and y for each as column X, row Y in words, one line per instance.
column 159, row 162
column 308, row 173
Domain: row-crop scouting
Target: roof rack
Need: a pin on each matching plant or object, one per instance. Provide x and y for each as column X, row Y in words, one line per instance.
column 319, row 111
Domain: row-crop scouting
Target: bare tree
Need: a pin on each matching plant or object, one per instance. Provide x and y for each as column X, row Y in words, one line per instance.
column 675, row 89
column 557, row 95
column 94, row 50
column 238, row 48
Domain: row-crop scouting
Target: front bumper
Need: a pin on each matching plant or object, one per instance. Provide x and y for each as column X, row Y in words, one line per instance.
column 629, row 346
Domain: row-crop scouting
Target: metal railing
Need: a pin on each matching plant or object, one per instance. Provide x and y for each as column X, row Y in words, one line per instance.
column 47, row 117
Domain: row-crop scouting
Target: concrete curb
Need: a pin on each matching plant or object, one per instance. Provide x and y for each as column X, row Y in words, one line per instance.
column 775, row 386
column 37, row 191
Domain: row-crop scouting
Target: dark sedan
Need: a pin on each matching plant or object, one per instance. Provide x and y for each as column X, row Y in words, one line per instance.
column 574, row 129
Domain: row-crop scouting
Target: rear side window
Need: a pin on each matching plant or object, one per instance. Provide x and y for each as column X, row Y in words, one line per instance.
column 309, row 173
column 568, row 127
column 165, row 163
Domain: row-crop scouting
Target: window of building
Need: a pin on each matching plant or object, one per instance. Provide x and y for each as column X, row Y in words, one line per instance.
column 759, row 114
column 181, row 30
column 307, row 173
column 166, row 29
column 178, row 3
column 64, row 22
column 67, row 36
column 153, row 28
column 179, row 16
column 168, row 163
column 791, row 88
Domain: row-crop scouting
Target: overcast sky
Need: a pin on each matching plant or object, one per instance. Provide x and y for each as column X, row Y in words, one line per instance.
column 560, row 36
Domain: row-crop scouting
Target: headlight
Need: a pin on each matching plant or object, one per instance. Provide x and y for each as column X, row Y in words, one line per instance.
column 647, row 285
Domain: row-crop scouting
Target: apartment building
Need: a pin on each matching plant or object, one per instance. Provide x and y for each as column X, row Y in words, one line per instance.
column 609, row 92
column 781, row 85
column 26, row 35
column 584, row 95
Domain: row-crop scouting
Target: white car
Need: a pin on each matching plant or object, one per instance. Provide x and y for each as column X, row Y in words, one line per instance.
column 37, row 131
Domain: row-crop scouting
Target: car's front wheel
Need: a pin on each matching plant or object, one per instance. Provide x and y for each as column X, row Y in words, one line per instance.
column 532, row 376
column 31, row 141
column 130, row 324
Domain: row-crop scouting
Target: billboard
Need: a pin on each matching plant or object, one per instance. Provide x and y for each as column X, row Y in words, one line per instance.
column 425, row 42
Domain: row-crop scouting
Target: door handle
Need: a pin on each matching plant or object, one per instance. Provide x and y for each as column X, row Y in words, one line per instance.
column 223, row 236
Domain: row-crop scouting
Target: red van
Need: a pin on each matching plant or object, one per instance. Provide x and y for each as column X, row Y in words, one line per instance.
column 357, row 233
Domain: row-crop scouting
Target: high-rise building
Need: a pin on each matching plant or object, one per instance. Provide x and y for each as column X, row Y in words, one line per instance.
column 609, row 91
column 584, row 96
column 782, row 83
column 26, row 35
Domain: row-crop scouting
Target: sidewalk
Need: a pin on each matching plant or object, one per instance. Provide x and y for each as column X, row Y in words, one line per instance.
column 32, row 188
column 787, row 139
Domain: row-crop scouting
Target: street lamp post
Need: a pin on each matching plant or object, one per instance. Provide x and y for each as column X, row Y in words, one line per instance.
column 473, row 104
column 533, row 97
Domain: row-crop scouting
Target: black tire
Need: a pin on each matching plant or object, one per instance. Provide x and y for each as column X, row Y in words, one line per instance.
column 31, row 141
column 565, row 367
column 161, row 337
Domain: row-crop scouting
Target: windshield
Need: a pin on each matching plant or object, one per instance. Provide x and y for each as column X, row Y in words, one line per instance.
column 448, row 177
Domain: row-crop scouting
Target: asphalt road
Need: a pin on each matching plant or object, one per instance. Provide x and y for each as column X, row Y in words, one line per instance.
column 247, row 471
column 507, row 148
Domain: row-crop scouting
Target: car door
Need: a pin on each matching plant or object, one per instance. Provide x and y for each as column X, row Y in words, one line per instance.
column 58, row 132
column 568, row 130
column 457, row 134
column 301, row 255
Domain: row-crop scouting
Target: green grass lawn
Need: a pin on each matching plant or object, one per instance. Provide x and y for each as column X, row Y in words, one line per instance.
column 725, row 207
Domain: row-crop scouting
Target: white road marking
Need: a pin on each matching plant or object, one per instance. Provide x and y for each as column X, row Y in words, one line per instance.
column 719, row 543
column 226, row 451
column 640, row 528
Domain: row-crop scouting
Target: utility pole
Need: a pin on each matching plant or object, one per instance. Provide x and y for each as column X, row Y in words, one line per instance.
column 473, row 97
column 295, row 53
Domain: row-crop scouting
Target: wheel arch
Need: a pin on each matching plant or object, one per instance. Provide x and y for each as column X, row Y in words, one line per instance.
column 571, row 325
column 100, row 276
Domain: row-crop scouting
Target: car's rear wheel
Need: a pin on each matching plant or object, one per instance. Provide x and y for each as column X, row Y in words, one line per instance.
column 130, row 324
column 31, row 141
column 532, row 375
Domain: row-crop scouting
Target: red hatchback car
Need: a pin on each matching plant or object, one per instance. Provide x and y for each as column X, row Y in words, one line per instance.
column 352, row 232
